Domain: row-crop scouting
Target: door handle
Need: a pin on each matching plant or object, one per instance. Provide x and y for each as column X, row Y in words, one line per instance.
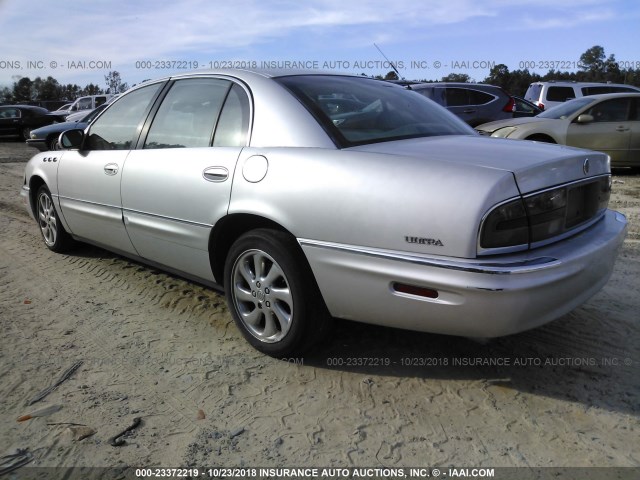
column 621, row 129
column 215, row 174
column 469, row 111
column 111, row 168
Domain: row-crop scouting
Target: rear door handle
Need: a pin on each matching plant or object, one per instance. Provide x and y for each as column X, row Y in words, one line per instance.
column 111, row 168
column 469, row 111
column 215, row 174
column 622, row 129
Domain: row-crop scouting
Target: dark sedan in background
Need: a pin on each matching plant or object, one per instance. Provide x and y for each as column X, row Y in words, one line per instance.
column 19, row 120
column 46, row 138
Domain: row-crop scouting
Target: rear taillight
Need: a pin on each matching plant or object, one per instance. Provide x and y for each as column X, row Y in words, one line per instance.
column 541, row 106
column 510, row 107
column 537, row 218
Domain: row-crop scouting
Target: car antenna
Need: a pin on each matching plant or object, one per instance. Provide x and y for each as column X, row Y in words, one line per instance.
column 392, row 66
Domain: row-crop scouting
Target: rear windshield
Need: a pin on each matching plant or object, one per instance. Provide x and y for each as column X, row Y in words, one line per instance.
column 358, row 111
column 533, row 93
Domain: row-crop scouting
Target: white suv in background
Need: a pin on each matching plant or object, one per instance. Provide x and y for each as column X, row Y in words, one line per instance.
column 89, row 102
column 549, row 94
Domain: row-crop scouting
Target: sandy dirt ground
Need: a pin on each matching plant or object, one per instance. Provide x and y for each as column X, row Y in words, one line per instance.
column 165, row 350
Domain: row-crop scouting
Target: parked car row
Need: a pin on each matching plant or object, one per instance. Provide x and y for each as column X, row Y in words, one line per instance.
column 20, row 120
column 46, row 138
column 308, row 197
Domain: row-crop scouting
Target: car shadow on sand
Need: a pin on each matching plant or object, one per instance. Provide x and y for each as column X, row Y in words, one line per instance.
column 589, row 356
column 598, row 369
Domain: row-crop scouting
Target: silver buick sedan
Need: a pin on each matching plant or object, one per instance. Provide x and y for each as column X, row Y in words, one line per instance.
column 308, row 197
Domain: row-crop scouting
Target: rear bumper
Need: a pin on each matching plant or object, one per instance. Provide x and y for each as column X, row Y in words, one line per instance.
column 488, row 297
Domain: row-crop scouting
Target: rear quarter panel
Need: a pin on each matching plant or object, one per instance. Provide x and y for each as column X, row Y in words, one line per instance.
column 370, row 199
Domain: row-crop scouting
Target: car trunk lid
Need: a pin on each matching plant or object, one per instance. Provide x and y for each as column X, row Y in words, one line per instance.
column 535, row 166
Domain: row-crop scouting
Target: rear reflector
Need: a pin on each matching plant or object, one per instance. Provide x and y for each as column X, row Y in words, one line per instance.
column 414, row 290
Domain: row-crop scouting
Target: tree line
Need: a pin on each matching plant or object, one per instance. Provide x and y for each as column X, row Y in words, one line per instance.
column 25, row 90
column 595, row 66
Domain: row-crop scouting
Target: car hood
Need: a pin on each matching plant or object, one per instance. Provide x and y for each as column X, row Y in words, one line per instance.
column 535, row 166
column 513, row 122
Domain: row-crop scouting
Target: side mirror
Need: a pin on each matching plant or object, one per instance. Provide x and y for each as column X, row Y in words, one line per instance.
column 584, row 118
column 71, row 139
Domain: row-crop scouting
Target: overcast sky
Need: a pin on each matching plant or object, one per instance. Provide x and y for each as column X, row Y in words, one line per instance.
column 80, row 41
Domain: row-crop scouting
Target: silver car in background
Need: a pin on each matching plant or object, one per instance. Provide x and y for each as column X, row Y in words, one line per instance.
column 313, row 196
column 608, row 123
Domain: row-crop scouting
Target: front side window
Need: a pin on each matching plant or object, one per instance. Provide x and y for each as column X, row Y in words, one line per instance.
column 595, row 90
column 9, row 113
column 188, row 114
column 119, row 127
column 457, row 97
column 84, row 104
column 378, row 111
column 610, row 111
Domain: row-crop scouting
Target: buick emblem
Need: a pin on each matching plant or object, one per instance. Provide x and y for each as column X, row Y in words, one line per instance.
column 585, row 167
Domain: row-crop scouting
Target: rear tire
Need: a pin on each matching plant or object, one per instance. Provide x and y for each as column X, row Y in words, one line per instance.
column 26, row 133
column 272, row 294
column 53, row 233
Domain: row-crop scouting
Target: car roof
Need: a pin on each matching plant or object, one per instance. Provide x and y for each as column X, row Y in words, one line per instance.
column 27, row 107
column 24, row 106
column 266, row 73
column 582, row 84
column 602, row 96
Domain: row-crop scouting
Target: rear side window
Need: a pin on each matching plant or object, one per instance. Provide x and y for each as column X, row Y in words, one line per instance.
column 120, row 124
column 477, row 97
column 233, row 126
column 188, row 114
column 623, row 89
column 595, row 90
column 560, row 94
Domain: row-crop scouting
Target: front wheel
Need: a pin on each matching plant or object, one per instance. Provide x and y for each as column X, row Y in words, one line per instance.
column 54, row 235
column 272, row 295
column 53, row 144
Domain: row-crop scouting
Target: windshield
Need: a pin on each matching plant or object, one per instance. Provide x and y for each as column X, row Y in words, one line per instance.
column 357, row 111
column 564, row 110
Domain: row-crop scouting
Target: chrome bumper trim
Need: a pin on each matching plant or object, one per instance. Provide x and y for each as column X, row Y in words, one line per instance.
column 471, row 266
